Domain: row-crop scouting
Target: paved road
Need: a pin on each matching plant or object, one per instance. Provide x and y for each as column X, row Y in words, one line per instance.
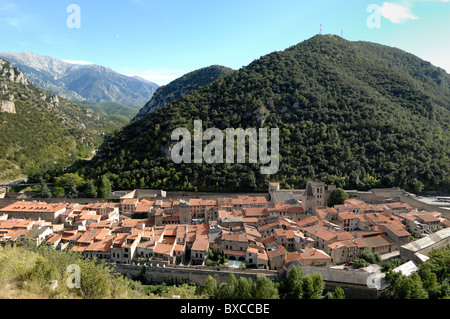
column 13, row 183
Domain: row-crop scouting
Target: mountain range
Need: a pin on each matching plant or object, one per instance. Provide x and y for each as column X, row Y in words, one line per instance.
column 39, row 128
column 82, row 83
column 357, row 115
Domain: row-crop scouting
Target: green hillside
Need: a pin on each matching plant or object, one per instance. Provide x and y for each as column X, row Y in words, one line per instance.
column 112, row 108
column 44, row 128
column 355, row 114
column 182, row 86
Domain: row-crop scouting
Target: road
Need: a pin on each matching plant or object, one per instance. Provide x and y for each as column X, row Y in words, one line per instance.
column 13, row 183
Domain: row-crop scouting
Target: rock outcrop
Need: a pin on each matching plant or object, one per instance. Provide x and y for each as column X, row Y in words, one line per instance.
column 7, row 107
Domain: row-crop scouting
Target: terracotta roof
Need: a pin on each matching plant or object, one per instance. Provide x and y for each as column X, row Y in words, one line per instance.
column 247, row 200
column 312, row 253
column 428, row 218
column 354, row 201
column 201, row 244
column 379, row 241
column 234, row 236
column 239, row 253
column 103, row 246
column 347, row 215
column 129, row 201
column 268, row 240
column 202, row 202
column 295, row 210
column 344, row 236
column 280, row 251
column 320, row 232
column 307, row 221
column 33, row 207
column 284, row 233
column 163, row 249
column 255, row 212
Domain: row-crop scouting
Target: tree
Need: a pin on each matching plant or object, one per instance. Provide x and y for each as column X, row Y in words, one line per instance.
column 360, row 263
column 313, row 286
column 243, row 289
column 370, row 257
column 429, row 280
column 105, row 187
column 44, row 191
column 338, row 293
column 71, row 189
column 291, row 286
column 70, row 179
column 337, row 197
column 403, row 287
column 210, row 289
column 91, row 190
column 265, row 289
column 418, row 187
column 58, row 192
column 227, row 289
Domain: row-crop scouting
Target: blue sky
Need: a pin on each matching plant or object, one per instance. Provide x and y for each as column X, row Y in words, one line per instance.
column 162, row 40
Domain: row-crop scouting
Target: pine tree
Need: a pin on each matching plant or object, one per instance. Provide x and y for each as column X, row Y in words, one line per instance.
column 91, row 190
column 105, row 187
column 44, row 190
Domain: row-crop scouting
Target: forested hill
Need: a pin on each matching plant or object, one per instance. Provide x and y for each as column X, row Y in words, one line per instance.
column 38, row 127
column 183, row 85
column 355, row 114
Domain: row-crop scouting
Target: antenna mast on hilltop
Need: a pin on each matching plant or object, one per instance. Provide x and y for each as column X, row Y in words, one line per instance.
column 320, row 30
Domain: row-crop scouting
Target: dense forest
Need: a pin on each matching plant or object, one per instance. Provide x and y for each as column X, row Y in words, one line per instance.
column 183, row 85
column 355, row 114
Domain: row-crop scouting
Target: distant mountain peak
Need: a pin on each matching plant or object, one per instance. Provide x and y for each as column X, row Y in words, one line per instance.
column 80, row 81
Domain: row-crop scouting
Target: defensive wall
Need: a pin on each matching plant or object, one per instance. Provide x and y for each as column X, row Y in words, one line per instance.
column 355, row 284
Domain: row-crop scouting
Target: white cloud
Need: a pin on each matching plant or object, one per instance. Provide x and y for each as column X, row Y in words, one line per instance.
column 396, row 13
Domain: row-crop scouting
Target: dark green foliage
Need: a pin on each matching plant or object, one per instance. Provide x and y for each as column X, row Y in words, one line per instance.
column 403, row 287
column 105, row 187
column 338, row 293
column 91, row 190
column 182, row 86
column 391, row 264
column 365, row 259
column 354, row 114
column 337, row 197
column 44, row 191
column 264, row 288
column 432, row 280
column 210, row 288
column 121, row 112
column 370, row 257
column 360, row 263
column 313, row 286
column 292, row 286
